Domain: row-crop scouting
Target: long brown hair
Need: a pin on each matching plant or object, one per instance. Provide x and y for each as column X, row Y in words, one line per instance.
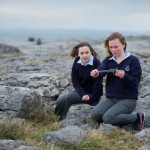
column 75, row 50
column 112, row 36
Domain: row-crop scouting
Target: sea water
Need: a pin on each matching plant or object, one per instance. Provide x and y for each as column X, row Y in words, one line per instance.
column 9, row 34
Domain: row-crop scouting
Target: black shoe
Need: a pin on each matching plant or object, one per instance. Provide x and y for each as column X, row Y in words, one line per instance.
column 139, row 124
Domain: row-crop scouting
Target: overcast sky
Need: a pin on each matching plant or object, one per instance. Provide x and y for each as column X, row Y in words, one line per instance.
column 127, row 15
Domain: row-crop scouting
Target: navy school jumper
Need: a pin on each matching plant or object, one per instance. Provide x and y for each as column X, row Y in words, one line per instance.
column 127, row 87
column 84, row 83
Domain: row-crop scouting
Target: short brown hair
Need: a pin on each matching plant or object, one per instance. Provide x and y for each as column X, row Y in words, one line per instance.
column 75, row 50
column 112, row 36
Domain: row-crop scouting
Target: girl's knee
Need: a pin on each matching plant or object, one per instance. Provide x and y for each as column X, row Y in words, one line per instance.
column 93, row 115
column 96, row 116
column 60, row 101
column 108, row 118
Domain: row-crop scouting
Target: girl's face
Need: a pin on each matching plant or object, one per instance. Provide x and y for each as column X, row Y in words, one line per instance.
column 84, row 54
column 116, row 47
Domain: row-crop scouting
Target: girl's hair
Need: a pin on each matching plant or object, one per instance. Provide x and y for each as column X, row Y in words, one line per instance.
column 112, row 36
column 75, row 50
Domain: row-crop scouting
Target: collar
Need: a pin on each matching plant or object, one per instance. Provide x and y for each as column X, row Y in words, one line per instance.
column 127, row 54
column 90, row 62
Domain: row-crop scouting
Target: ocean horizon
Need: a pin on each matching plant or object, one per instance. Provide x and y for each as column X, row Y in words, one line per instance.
column 61, row 33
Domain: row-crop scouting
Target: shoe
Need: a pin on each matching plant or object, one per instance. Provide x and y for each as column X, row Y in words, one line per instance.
column 93, row 123
column 139, row 124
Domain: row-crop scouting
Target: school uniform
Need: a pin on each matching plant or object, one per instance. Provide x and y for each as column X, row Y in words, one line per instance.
column 84, row 84
column 121, row 94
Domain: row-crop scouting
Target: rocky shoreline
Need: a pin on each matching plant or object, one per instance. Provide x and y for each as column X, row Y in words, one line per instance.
column 32, row 73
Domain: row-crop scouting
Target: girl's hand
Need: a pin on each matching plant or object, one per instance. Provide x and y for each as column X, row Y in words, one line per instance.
column 85, row 98
column 94, row 73
column 120, row 73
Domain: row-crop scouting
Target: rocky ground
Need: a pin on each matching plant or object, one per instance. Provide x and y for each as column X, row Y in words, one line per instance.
column 31, row 72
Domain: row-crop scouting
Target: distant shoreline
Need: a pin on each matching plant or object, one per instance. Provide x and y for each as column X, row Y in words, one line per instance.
column 61, row 33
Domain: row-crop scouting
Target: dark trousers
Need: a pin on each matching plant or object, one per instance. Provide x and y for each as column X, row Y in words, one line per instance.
column 64, row 102
column 115, row 111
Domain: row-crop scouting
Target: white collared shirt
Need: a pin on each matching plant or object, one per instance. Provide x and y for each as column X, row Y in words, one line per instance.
column 90, row 62
column 127, row 54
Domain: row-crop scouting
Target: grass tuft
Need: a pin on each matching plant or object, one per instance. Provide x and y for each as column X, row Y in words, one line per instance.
column 145, row 54
column 11, row 130
column 41, row 114
column 34, row 62
column 114, row 140
column 10, row 55
column 3, row 69
column 32, row 134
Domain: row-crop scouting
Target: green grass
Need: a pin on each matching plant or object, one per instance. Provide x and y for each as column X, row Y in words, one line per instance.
column 54, row 54
column 42, row 120
column 3, row 69
column 11, row 130
column 10, row 55
column 34, row 62
column 32, row 131
column 115, row 140
column 144, row 54
column 32, row 134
